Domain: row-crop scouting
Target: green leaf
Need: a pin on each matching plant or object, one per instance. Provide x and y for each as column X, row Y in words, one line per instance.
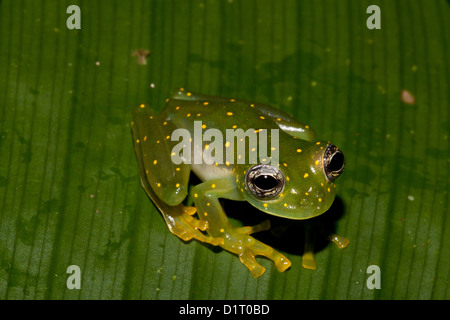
column 69, row 187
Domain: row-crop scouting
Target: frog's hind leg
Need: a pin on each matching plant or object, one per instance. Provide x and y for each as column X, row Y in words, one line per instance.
column 153, row 146
column 165, row 182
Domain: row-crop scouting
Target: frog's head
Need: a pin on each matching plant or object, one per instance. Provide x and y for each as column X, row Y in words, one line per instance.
column 301, row 186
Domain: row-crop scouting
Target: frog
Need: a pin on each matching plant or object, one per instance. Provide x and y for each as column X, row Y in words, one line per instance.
column 298, row 185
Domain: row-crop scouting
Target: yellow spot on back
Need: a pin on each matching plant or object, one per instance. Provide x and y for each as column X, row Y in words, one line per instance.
column 227, row 144
column 285, row 164
column 195, row 195
column 306, row 193
column 222, row 230
column 285, row 205
column 145, row 138
column 305, row 175
column 261, row 117
column 316, row 162
column 168, row 137
column 213, row 186
column 206, row 146
column 164, row 123
column 155, row 161
column 205, row 103
column 137, row 141
column 188, row 94
column 329, row 190
column 278, row 119
column 188, row 115
column 203, row 126
column 265, row 205
column 232, row 100
column 252, row 105
column 177, row 108
column 142, row 105
column 287, row 178
column 320, row 199
column 299, row 150
column 177, row 169
column 307, row 127
column 229, row 113
column 177, row 185
column 158, row 184
column 318, row 142
column 234, row 127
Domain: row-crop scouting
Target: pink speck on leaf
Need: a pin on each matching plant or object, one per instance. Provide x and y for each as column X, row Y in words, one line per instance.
column 407, row 97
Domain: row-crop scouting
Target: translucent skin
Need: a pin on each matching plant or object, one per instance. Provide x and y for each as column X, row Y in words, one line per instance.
column 306, row 190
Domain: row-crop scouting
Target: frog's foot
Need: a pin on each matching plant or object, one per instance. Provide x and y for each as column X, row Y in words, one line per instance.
column 181, row 223
column 246, row 247
column 339, row 241
column 308, row 261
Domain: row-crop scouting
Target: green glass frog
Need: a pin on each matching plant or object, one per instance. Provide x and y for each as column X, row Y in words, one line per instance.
column 215, row 138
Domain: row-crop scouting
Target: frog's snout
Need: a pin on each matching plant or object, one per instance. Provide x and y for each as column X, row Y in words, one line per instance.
column 333, row 162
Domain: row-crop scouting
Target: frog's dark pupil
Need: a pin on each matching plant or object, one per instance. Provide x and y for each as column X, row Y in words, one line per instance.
column 266, row 182
column 337, row 162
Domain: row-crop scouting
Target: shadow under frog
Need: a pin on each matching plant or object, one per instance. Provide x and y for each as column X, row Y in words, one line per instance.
column 288, row 235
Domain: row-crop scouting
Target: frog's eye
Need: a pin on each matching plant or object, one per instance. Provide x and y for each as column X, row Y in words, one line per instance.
column 333, row 162
column 264, row 181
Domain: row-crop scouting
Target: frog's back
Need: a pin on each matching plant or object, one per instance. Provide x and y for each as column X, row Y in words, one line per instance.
column 216, row 112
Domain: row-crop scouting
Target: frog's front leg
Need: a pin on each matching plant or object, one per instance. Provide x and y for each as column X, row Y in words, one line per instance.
column 237, row 240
